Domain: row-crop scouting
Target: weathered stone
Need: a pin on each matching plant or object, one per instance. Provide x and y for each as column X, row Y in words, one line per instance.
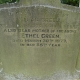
column 37, row 39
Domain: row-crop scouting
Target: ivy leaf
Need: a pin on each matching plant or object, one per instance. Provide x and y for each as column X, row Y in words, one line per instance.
column 71, row 2
column 8, row 1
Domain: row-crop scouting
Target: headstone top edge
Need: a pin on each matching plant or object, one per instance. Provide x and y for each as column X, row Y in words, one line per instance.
column 63, row 7
column 37, row 3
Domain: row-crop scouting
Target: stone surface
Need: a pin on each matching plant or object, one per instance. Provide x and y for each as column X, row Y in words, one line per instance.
column 39, row 39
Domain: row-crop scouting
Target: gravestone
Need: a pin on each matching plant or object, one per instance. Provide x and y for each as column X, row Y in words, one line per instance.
column 39, row 40
column 79, row 3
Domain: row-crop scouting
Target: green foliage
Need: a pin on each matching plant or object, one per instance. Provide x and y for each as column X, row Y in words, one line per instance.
column 8, row 1
column 71, row 2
